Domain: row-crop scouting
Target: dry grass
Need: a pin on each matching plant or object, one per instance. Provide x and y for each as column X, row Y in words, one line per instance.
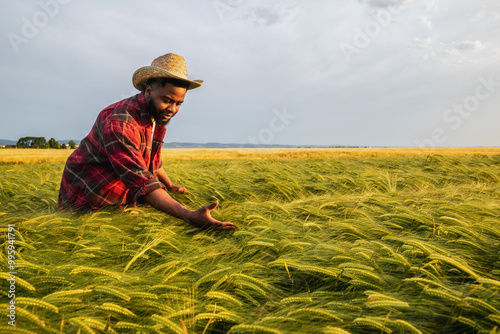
column 29, row 156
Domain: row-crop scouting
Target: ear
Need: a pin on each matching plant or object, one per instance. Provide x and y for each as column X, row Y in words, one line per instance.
column 147, row 92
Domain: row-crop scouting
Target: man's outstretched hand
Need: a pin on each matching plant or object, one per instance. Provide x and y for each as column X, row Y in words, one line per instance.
column 162, row 201
column 178, row 189
column 202, row 218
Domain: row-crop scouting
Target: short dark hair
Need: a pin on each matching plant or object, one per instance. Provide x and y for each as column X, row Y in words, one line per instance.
column 163, row 81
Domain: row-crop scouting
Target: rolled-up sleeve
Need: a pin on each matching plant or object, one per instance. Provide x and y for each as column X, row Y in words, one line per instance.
column 122, row 142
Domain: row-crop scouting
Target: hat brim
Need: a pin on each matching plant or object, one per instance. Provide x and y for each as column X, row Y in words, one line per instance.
column 142, row 75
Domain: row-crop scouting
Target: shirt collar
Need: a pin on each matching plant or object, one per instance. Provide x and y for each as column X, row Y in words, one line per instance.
column 143, row 110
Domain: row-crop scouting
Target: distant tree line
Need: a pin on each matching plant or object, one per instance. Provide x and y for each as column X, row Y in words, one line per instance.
column 41, row 142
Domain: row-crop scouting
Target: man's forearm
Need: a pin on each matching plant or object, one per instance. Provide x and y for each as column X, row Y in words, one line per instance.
column 162, row 201
column 163, row 177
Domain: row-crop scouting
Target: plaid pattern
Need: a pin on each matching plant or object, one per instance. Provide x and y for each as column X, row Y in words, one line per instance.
column 116, row 163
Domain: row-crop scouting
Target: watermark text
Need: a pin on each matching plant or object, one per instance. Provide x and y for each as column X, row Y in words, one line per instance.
column 30, row 27
column 456, row 114
column 363, row 37
column 277, row 124
column 11, row 255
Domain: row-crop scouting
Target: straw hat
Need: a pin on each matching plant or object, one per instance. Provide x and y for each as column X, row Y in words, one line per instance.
column 166, row 66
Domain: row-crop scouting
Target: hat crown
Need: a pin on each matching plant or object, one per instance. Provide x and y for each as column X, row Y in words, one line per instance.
column 172, row 63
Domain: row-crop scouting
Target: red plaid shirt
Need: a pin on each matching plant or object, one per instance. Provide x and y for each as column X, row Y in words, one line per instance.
column 116, row 163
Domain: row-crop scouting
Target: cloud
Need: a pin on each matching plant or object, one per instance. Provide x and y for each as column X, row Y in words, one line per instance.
column 267, row 15
column 425, row 22
column 385, row 3
column 469, row 45
column 257, row 14
column 431, row 6
column 455, row 51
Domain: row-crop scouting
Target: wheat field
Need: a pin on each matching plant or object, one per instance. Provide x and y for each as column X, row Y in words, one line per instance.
column 332, row 241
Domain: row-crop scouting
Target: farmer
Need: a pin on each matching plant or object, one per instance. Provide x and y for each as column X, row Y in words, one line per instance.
column 119, row 162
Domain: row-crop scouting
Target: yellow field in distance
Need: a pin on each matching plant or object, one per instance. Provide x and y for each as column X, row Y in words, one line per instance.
column 30, row 156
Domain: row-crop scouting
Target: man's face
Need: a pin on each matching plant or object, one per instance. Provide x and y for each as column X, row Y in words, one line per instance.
column 164, row 102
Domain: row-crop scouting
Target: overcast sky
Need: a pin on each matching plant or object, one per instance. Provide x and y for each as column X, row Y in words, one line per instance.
column 323, row 72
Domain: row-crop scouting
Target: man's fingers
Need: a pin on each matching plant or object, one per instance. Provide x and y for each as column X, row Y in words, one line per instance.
column 180, row 189
column 229, row 226
column 212, row 206
column 203, row 219
column 224, row 226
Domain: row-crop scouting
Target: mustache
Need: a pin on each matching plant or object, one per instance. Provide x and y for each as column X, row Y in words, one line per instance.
column 151, row 108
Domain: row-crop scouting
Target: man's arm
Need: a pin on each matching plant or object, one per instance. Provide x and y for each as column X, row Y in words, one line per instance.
column 122, row 141
column 162, row 201
column 163, row 177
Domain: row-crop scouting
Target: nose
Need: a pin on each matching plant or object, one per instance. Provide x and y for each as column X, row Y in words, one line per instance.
column 172, row 108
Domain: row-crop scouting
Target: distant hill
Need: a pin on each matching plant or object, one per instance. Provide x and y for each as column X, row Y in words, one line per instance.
column 220, row 145
column 171, row 145
column 232, row 145
column 14, row 142
column 201, row 145
column 4, row 142
column 193, row 145
column 66, row 141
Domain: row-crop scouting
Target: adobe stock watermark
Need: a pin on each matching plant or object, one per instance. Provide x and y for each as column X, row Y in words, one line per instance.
column 30, row 28
column 363, row 37
column 11, row 254
column 277, row 124
column 455, row 115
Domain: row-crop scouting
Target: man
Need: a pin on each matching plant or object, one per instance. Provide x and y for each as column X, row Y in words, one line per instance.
column 119, row 162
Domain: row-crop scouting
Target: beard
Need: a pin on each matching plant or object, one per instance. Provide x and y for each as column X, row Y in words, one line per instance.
column 151, row 108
